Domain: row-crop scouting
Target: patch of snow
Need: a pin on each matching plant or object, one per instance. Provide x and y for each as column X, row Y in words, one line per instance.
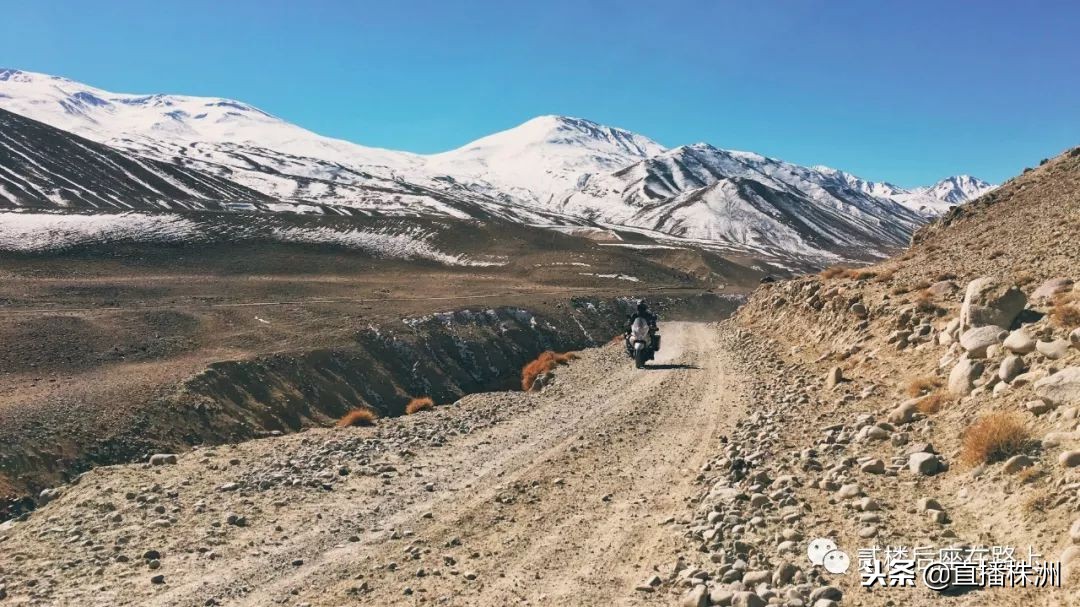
column 613, row 276
column 29, row 232
column 629, row 245
column 32, row 232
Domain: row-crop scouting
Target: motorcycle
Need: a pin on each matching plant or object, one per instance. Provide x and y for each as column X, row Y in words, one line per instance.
column 642, row 342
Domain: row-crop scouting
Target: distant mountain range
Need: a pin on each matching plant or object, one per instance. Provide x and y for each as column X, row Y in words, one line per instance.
column 551, row 170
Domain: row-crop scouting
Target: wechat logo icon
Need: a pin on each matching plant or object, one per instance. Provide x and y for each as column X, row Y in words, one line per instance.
column 824, row 552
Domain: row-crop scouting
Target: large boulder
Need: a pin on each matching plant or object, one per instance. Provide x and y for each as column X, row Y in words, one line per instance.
column 1020, row 342
column 977, row 339
column 746, row 598
column 1054, row 349
column 924, row 464
column 988, row 301
column 903, row 413
column 1010, row 367
column 963, row 376
column 697, row 597
column 834, row 377
column 1061, row 388
column 1050, row 288
column 943, row 288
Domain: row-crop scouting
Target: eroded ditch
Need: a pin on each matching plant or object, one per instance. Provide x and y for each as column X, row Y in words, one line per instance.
column 444, row 356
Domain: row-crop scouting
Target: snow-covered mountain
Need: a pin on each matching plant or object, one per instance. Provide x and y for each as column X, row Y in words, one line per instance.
column 234, row 140
column 702, row 192
column 149, row 120
column 41, row 166
column 959, row 189
column 929, row 201
column 551, row 170
column 545, row 156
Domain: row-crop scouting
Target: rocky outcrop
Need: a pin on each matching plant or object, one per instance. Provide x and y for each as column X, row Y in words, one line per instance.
column 989, row 301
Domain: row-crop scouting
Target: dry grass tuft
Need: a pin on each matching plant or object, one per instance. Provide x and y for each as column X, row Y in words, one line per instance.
column 832, row 272
column 1023, row 278
column 934, row 402
column 860, row 273
column 361, row 416
column 1030, row 474
column 994, row 437
column 924, row 302
column 885, row 275
column 917, row 386
column 1066, row 310
column 416, row 405
column 1037, row 502
column 846, row 272
column 543, row 363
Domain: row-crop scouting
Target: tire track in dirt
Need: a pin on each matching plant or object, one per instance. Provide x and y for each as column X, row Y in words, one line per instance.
column 608, row 457
column 556, row 498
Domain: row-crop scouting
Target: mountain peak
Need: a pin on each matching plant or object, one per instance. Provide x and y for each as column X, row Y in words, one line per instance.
column 553, row 129
column 546, row 155
column 958, row 189
column 13, row 75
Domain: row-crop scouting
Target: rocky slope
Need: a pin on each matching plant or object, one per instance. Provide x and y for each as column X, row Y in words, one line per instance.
column 950, row 374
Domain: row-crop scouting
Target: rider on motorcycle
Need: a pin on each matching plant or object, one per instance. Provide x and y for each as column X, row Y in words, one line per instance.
column 642, row 312
column 650, row 319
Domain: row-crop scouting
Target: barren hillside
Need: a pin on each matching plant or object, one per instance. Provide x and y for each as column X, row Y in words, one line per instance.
column 952, row 373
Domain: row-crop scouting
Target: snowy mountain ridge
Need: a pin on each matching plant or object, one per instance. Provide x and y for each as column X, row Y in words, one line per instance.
column 548, row 170
column 703, row 192
column 115, row 118
column 928, row 201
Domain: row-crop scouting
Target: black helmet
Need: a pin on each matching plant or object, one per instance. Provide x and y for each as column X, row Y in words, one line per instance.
column 642, row 306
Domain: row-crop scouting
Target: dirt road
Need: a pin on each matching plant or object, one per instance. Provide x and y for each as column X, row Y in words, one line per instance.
column 556, row 498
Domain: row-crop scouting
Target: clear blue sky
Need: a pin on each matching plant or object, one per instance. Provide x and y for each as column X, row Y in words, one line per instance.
column 903, row 91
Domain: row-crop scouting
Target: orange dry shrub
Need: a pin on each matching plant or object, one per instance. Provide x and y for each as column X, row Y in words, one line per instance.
column 994, row 437
column 924, row 302
column 543, row 363
column 860, row 273
column 1066, row 310
column 885, row 275
column 361, row 416
column 832, row 272
column 933, row 403
column 419, row 404
column 917, row 386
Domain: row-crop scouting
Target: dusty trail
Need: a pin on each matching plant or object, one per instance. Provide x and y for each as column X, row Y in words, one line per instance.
column 561, row 500
column 626, row 447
